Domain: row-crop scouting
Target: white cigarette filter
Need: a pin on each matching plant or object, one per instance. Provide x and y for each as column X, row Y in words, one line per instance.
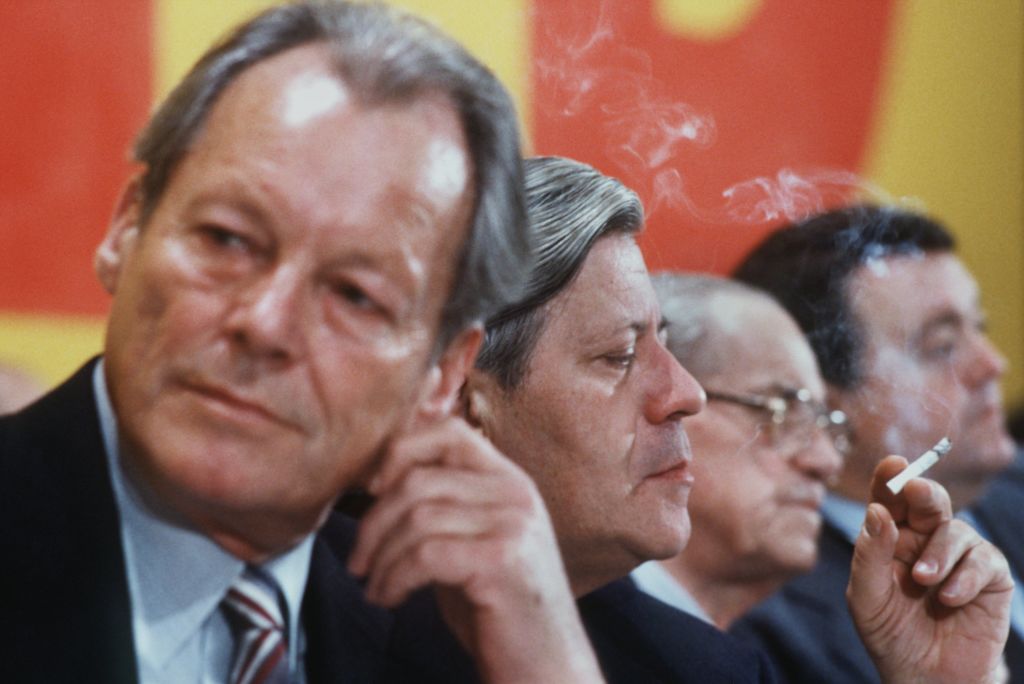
column 920, row 465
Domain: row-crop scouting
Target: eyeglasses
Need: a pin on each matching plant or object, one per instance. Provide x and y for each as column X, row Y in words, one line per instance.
column 793, row 416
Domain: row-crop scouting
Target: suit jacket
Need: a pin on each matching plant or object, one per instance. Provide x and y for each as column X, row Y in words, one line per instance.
column 1001, row 513
column 806, row 629
column 636, row 638
column 65, row 613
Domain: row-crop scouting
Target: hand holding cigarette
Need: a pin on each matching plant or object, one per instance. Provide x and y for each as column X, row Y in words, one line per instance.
column 929, row 596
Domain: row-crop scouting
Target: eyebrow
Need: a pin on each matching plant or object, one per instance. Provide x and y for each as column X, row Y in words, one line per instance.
column 599, row 336
column 943, row 320
column 245, row 204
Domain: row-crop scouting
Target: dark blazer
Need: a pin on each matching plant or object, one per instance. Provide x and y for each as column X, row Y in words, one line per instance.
column 65, row 613
column 806, row 629
column 636, row 638
column 1001, row 513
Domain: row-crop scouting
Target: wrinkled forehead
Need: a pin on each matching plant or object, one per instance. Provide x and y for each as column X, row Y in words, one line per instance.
column 894, row 298
column 611, row 293
column 760, row 348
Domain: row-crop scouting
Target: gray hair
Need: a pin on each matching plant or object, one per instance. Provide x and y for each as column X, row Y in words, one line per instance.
column 689, row 302
column 570, row 206
column 385, row 56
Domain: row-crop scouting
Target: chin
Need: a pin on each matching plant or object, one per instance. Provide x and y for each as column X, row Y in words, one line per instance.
column 669, row 543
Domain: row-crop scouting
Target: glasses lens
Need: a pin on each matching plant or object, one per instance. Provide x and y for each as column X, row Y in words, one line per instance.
column 805, row 416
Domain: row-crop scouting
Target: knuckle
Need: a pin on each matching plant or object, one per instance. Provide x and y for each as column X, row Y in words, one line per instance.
column 412, row 483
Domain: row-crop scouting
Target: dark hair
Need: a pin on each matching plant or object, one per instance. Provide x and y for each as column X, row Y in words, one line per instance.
column 806, row 267
column 570, row 205
column 384, row 56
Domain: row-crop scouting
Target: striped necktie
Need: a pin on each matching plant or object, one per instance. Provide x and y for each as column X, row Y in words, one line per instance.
column 253, row 610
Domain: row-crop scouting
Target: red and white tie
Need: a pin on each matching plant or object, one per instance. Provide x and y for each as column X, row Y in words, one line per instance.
column 254, row 613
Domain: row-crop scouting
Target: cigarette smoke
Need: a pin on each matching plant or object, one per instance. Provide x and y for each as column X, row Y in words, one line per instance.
column 644, row 129
column 647, row 133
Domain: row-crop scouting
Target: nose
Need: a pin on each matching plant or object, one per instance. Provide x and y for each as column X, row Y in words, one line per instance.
column 265, row 314
column 673, row 393
column 983, row 364
column 819, row 459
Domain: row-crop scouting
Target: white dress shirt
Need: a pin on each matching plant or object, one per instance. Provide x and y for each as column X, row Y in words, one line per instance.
column 177, row 578
column 658, row 582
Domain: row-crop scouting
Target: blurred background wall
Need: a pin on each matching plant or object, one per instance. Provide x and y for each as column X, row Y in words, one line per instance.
column 727, row 116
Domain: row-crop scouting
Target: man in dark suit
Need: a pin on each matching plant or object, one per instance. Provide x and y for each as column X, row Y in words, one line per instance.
column 895, row 323
column 326, row 208
column 576, row 385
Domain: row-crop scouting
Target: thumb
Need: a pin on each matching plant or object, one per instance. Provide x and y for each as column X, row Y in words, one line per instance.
column 871, row 576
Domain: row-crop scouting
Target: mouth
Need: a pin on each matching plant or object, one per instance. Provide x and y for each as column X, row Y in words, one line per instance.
column 678, row 472
column 808, row 500
column 229, row 405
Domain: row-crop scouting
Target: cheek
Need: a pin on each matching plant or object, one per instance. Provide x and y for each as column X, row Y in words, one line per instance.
column 363, row 394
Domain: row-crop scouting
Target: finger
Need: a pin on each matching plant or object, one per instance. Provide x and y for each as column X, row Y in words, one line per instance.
column 446, row 561
column 871, row 578
column 449, row 443
column 420, row 486
column 888, row 468
column 950, row 542
column 982, row 569
column 437, row 521
column 928, row 505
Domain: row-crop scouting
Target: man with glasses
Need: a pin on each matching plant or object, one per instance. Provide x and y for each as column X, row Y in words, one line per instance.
column 765, row 446
column 895, row 322
column 575, row 384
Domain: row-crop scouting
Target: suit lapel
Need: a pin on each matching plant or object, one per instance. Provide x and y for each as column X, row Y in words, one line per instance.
column 67, row 563
column 346, row 638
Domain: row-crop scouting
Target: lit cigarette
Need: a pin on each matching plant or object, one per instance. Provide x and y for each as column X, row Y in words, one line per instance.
column 920, row 464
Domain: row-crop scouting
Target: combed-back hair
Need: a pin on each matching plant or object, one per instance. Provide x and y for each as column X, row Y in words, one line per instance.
column 384, row 56
column 807, row 267
column 570, row 206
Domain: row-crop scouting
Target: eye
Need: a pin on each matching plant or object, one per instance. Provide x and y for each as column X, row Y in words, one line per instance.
column 940, row 351
column 623, row 359
column 355, row 295
column 223, row 238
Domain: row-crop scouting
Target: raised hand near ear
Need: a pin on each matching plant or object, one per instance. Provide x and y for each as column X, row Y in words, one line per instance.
column 929, row 596
column 455, row 514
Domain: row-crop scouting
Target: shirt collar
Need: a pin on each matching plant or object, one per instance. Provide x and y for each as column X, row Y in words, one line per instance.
column 655, row 580
column 846, row 515
column 176, row 575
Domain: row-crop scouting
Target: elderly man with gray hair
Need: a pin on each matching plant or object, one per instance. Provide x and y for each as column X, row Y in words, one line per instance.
column 766, row 447
column 575, row 384
column 326, row 208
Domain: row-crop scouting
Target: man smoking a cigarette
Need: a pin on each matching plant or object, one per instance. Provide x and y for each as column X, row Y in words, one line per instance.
column 896, row 325
column 576, row 385
column 765, row 448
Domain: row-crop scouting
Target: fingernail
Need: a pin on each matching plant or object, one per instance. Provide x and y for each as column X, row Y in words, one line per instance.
column 374, row 484
column 951, row 589
column 926, row 567
column 872, row 523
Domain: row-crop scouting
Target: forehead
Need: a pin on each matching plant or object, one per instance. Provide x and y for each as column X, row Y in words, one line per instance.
column 289, row 145
column 295, row 107
column 895, row 297
column 611, row 294
column 761, row 347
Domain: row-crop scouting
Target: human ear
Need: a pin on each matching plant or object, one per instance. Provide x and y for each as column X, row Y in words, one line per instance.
column 446, row 377
column 478, row 401
column 121, row 237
